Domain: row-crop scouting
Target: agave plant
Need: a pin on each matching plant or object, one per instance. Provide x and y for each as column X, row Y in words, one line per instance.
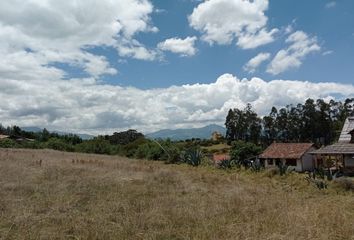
column 284, row 169
column 226, row 164
column 192, row 157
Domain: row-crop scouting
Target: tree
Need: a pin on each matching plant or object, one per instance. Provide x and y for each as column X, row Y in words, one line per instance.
column 125, row 137
column 269, row 126
column 243, row 125
column 242, row 152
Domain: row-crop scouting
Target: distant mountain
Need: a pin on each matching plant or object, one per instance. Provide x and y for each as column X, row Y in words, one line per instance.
column 32, row 129
column 37, row 129
column 183, row 134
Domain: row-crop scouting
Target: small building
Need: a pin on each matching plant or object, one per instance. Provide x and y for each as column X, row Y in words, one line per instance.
column 216, row 136
column 3, row 137
column 339, row 156
column 295, row 155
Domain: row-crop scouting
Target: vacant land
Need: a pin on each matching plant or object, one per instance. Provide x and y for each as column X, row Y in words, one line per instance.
column 53, row 195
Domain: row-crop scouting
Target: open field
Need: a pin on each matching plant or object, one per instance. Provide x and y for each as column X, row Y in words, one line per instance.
column 218, row 147
column 54, row 195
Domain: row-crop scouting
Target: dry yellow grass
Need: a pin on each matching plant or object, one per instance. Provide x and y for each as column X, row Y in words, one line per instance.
column 53, row 195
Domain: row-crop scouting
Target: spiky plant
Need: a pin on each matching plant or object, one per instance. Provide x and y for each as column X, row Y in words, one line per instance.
column 226, row 164
column 192, row 157
column 283, row 169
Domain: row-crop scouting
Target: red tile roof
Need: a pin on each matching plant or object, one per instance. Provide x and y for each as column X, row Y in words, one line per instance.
column 286, row 150
column 221, row 157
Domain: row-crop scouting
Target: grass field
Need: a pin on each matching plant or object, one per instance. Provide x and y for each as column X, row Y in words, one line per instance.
column 53, row 195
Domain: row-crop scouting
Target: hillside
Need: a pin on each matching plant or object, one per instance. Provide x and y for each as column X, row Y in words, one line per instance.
column 55, row 195
column 37, row 129
column 182, row 134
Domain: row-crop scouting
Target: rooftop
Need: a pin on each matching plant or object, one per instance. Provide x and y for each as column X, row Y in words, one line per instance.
column 345, row 136
column 3, row 136
column 286, row 150
column 337, row 148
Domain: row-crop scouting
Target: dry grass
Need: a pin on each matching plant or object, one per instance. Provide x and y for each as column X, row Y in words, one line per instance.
column 53, row 195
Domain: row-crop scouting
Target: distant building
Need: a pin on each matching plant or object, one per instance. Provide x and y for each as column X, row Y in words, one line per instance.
column 295, row 155
column 340, row 155
column 217, row 157
column 216, row 136
column 3, row 137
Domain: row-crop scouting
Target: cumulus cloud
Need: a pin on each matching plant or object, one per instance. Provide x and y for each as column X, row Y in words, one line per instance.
column 184, row 47
column 255, row 62
column 300, row 46
column 49, row 32
column 85, row 105
column 223, row 21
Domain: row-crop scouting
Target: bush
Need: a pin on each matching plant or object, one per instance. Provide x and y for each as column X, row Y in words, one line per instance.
column 59, row 144
column 8, row 143
column 130, row 149
column 242, row 152
column 149, row 150
column 225, row 164
column 97, row 146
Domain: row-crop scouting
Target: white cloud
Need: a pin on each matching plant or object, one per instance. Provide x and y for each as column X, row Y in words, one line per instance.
column 300, row 46
column 329, row 52
column 254, row 62
column 184, row 47
column 84, row 105
column 330, row 4
column 223, row 21
column 49, row 31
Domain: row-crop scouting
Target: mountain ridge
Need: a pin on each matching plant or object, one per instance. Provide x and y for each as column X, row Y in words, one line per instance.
column 37, row 129
column 187, row 133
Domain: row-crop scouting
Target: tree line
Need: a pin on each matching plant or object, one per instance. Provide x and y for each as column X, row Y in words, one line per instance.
column 314, row 121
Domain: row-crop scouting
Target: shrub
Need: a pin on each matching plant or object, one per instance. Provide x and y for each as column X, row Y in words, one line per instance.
column 97, row 146
column 225, row 164
column 149, row 150
column 284, row 169
column 192, row 157
column 59, row 144
column 242, row 152
column 8, row 143
column 130, row 149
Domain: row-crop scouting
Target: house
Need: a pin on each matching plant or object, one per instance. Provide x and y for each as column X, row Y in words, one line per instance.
column 339, row 156
column 3, row 137
column 295, row 155
column 216, row 136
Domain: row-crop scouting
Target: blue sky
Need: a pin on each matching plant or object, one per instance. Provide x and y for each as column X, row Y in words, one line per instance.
column 333, row 26
column 99, row 66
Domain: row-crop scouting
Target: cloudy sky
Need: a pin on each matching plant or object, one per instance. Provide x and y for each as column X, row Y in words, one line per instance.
column 98, row 66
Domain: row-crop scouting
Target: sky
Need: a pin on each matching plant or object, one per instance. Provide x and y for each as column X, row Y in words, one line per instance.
column 100, row 66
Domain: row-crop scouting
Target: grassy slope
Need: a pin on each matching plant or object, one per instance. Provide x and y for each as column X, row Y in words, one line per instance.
column 77, row 196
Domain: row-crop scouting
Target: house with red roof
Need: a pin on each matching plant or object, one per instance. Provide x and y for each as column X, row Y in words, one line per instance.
column 295, row 155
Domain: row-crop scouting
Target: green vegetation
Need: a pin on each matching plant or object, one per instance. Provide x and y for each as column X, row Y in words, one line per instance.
column 314, row 121
column 192, row 157
column 243, row 152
